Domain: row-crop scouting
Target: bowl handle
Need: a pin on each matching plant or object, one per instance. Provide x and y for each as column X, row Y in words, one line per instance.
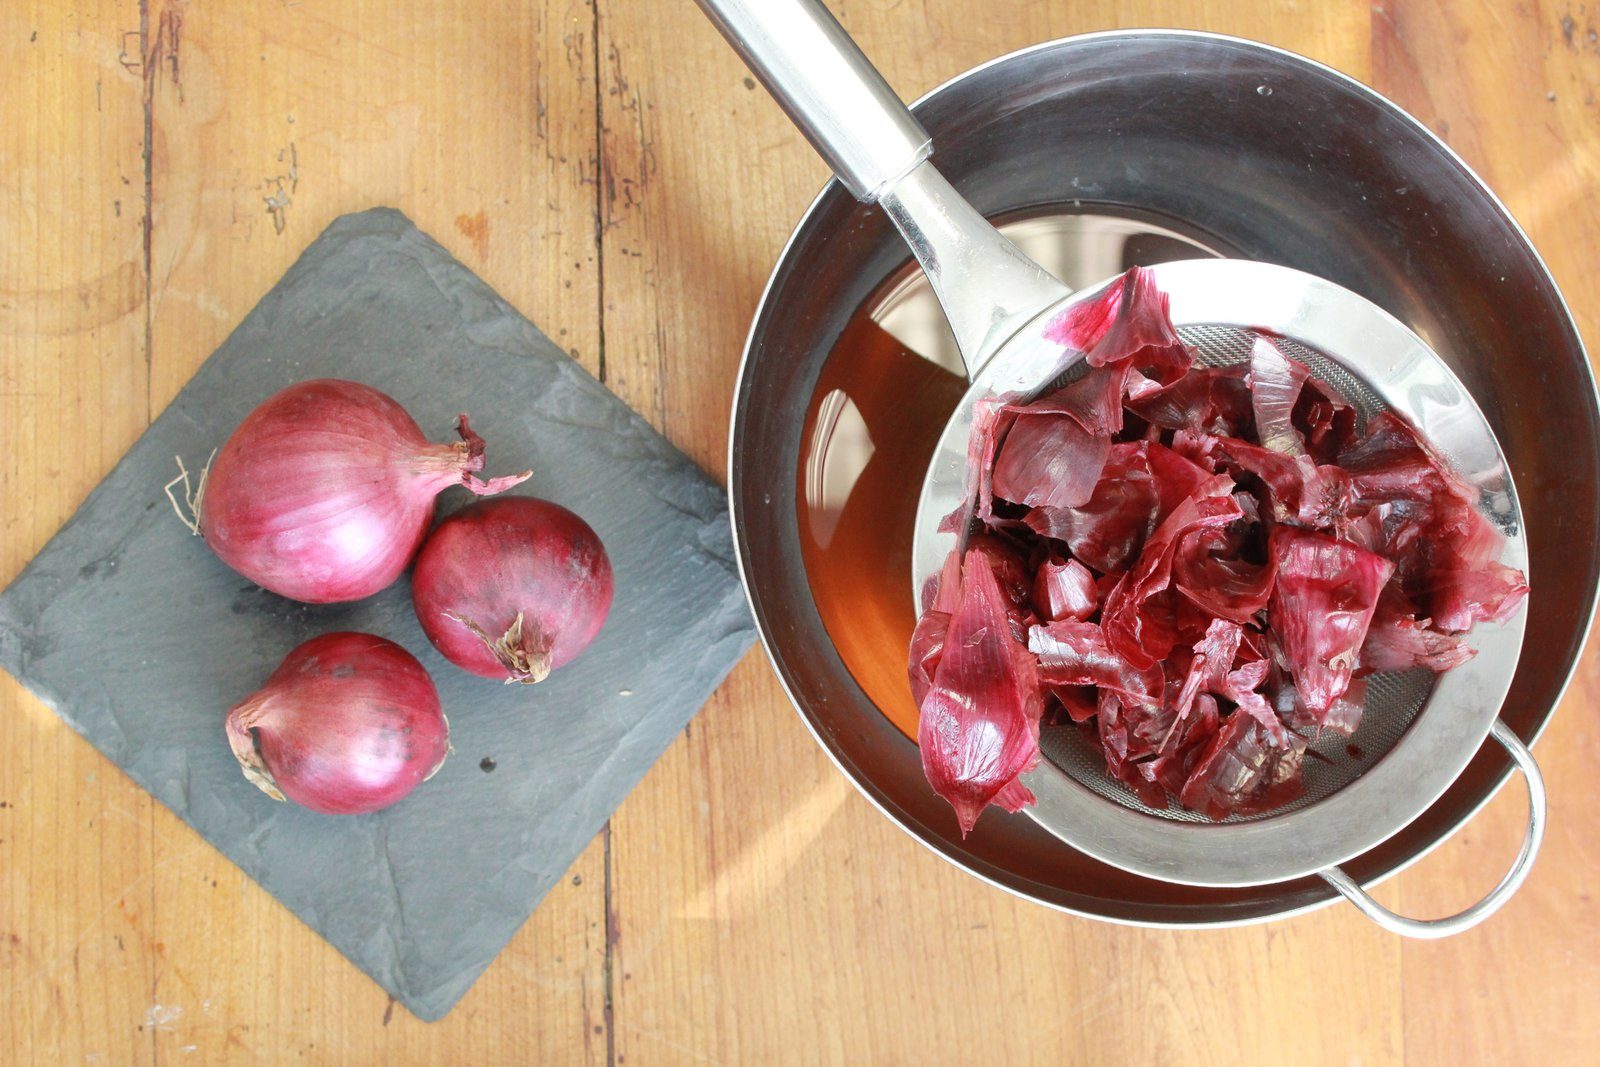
column 1465, row 920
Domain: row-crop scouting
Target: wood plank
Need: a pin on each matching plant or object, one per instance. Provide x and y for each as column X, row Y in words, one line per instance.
column 75, row 844
column 1523, row 112
column 268, row 121
column 764, row 911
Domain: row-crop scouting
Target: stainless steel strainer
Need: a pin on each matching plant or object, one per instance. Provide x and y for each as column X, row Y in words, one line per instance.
column 1419, row 731
column 1424, row 732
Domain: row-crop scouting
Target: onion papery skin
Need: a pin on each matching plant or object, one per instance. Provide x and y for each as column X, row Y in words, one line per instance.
column 325, row 491
column 512, row 588
column 349, row 723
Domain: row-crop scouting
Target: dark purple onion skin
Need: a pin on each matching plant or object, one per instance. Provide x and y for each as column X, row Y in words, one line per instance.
column 497, row 560
column 349, row 723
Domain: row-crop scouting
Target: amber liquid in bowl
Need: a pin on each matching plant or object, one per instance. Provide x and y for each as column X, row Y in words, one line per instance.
column 879, row 406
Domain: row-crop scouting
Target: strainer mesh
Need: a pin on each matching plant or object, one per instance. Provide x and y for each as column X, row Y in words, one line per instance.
column 1393, row 699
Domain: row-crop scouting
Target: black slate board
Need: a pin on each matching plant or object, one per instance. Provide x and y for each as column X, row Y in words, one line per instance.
column 141, row 639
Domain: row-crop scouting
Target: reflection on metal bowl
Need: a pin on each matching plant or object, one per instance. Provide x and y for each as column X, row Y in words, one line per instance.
column 881, row 400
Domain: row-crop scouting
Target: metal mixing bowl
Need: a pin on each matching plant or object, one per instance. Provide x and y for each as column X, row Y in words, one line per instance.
column 1249, row 151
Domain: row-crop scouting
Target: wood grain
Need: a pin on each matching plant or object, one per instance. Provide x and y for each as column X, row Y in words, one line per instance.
column 268, row 121
column 1524, row 114
column 608, row 167
column 76, row 858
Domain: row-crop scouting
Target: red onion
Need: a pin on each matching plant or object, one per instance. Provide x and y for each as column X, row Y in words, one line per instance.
column 512, row 588
column 348, row 723
column 325, row 491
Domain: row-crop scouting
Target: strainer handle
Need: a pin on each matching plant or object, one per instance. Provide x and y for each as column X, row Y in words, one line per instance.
column 1465, row 920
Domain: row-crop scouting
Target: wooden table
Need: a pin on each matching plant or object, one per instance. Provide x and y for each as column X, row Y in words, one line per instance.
column 608, row 167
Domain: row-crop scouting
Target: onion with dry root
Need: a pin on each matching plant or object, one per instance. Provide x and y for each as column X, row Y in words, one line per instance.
column 348, row 723
column 325, row 491
column 512, row 588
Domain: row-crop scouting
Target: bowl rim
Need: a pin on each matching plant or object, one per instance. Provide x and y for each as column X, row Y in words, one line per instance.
column 1321, row 894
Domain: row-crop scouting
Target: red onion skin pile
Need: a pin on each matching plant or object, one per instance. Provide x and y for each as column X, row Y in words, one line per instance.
column 512, row 588
column 1198, row 566
column 349, row 723
column 325, row 491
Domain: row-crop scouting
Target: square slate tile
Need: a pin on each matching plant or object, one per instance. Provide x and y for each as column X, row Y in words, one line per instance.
column 141, row 639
